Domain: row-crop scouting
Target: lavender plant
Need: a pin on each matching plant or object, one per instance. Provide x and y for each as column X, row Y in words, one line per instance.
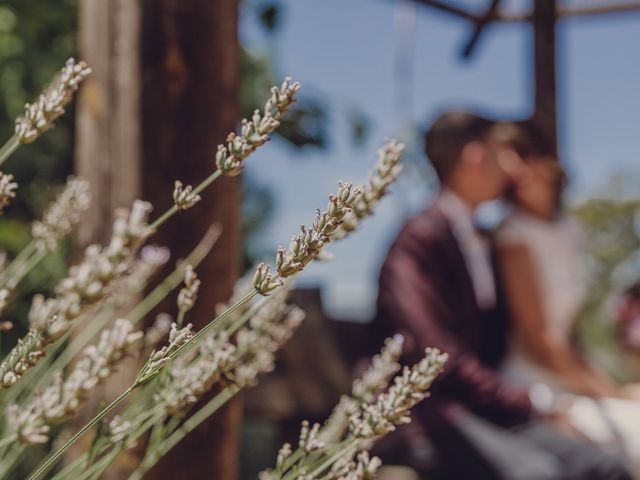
column 61, row 400
column 343, row 453
column 89, row 281
column 92, row 286
column 305, row 248
column 7, row 190
column 126, row 290
column 41, row 386
column 42, row 114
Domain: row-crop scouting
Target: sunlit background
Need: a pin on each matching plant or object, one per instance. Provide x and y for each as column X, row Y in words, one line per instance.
column 394, row 66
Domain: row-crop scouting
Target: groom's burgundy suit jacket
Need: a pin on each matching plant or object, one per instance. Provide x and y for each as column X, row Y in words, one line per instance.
column 427, row 295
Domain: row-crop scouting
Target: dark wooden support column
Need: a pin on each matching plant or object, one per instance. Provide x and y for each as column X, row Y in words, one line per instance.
column 162, row 96
column 545, row 111
column 189, row 105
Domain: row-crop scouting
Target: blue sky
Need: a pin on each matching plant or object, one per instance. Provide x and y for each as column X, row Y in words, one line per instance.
column 348, row 52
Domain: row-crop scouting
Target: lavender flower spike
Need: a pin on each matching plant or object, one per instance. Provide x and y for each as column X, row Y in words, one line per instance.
column 41, row 115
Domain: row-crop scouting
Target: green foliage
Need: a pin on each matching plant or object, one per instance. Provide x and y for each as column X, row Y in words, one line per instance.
column 35, row 40
column 359, row 124
column 612, row 244
column 307, row 126
column 270, row 15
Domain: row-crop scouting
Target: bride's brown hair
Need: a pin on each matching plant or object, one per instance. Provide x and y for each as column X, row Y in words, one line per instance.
column 525, row 139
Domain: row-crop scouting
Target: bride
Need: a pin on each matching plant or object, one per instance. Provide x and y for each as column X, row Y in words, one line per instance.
column 540, row 261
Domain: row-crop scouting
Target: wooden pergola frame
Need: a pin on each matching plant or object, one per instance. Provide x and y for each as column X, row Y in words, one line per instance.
column 543, row 18
column 561, row 12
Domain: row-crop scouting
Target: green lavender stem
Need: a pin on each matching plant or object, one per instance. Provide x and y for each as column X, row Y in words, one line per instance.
column 62, row 359
column 201, row 333
column 22, row 270
column 22, row 257
column 8, row 148
column 173, row 280
column 174, row 209
column 71, row 470
column 96, row 470
column 341, row 450
column 10, row 460
column 291, row 461
column 53, row 458
column 7, row 441
column 138, row 383
column 187, row 427
column 180, row 319
column 233, row 328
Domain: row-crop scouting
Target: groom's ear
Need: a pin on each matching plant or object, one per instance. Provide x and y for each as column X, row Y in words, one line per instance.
column 472, row 154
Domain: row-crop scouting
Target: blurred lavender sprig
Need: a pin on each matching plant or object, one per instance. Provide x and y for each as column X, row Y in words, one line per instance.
column 189, row 294
column 61, row 400
column 7, row 190
column 373, row 381
column 342, row 453
column 85, row 286
column 40, row 115
column 62, row 215
column 392, row 407
column 237, row 360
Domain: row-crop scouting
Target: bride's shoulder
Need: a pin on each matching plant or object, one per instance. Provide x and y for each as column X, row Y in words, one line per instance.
column 516, row 228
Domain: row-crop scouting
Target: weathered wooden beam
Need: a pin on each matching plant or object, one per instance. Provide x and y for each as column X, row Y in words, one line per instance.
column 480, row 26
column 108, row 141
column 606, row 8
column 561, row 13
column 448, row 8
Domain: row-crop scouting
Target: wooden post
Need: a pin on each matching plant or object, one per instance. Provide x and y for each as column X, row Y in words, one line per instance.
column 108, row 142
column 162, row 96
column 544, row 68
column 190, row 77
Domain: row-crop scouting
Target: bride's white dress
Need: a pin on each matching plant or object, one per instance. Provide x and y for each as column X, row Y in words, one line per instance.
column 556, row 252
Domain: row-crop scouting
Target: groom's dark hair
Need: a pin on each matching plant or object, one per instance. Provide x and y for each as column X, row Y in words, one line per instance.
column 448, row 135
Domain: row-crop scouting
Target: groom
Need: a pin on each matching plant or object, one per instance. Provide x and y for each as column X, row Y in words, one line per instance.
column 437, row 286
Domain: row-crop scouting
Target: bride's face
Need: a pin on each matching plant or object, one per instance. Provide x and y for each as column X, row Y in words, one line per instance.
column 537, row 184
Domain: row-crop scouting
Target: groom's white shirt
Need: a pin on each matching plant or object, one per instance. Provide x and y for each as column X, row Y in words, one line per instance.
column 474, row 247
